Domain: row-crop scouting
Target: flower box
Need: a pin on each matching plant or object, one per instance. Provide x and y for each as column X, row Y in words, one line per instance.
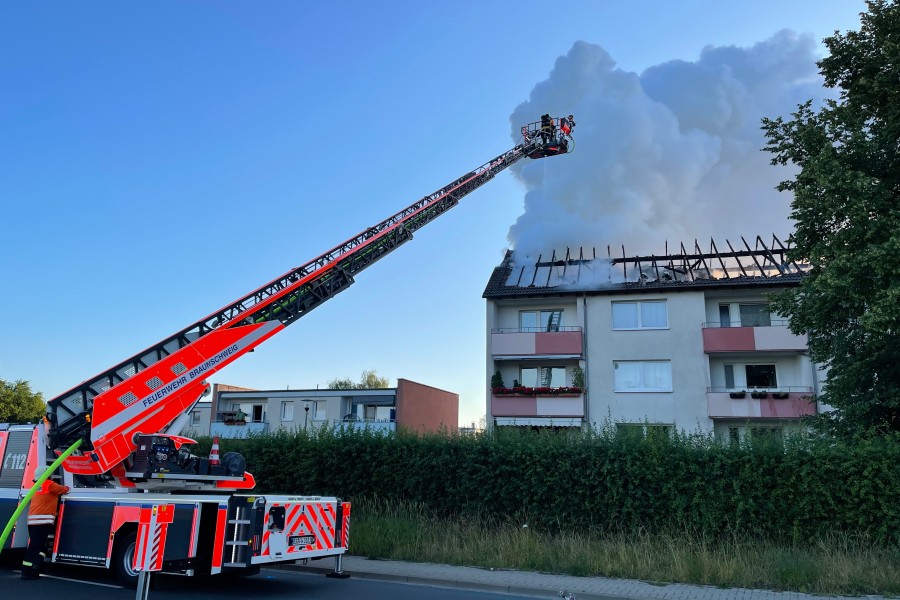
column 780, row 395
column 738, row 395
column 538, row 391
column 759, row 395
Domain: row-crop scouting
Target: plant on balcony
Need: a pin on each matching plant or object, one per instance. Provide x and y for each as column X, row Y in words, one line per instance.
column 572, row 389
column 738, row 395
column 780, row 395
column 759, row 395
column 578, row 377
column 497, row 380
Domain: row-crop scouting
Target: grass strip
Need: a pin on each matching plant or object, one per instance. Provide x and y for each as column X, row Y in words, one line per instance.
column 837, row 564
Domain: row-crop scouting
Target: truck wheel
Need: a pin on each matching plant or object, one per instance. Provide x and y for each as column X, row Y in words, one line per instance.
column 123, row 559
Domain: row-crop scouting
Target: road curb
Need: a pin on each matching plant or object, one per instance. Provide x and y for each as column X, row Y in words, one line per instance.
column 449, row 583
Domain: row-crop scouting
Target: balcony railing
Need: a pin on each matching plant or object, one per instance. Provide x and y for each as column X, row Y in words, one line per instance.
column 230, row 429
column 369, row 424
column 750, row 389
column 535, row 329
column 747, row 323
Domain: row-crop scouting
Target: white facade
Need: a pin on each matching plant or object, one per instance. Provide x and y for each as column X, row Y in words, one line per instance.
column 699, row 356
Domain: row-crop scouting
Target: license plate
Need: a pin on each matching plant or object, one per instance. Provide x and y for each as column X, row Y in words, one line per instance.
column 301, row 540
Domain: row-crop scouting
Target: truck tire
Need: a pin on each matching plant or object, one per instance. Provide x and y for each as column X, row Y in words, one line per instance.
column 123, row 559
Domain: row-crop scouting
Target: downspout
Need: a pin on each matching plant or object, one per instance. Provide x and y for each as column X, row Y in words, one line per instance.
column 585, row 370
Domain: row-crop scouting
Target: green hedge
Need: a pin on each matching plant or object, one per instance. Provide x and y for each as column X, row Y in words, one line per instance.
column 802, row 488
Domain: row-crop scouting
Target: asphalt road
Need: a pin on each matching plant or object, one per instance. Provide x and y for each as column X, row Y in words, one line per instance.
column 73, row 583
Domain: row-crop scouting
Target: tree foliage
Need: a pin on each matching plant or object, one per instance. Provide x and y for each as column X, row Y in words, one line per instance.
column 848, row 222
column 369, row 380
column 18, row 404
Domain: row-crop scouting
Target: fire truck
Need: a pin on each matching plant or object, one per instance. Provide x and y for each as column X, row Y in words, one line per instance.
column 118, row 438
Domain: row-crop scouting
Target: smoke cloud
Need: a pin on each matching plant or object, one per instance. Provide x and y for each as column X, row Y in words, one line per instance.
column 671, row 154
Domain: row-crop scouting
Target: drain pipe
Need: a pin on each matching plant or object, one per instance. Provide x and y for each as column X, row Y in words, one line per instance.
column 584, row 354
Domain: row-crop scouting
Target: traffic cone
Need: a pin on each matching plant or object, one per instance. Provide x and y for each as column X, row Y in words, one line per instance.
column 214, row 452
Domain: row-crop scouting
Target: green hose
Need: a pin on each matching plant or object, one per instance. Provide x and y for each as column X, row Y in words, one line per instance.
column 37, row 485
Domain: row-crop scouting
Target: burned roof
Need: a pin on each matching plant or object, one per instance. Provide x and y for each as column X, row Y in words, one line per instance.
column 760, row 265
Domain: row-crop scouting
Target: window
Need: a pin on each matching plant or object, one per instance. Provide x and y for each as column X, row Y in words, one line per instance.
column 647, row 430
column 774, row 433
column 647, row 314
column 643, row 376
column 724, row 315
column 543, row 377
column 195, row 417
column 755, row 315
column 729, row 376
column 540, row 320
column 319, row 408
column 287, row 411
column 761, row 376
column 254, row 413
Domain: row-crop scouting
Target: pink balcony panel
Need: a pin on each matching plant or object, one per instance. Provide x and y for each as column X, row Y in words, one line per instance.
column 512, row 344
column 562, row 342
column 514, row 406
column 537, row 406
column 751, row 339
column 728, row 339
column 561, row 406
column 541, row 343
column 796, row 405
column 778, row 338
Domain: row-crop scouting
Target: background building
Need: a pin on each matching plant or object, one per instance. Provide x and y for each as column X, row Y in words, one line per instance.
column 411, row 406
column 676, row 341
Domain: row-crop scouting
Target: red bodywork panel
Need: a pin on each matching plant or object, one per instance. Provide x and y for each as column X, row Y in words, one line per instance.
column 150, row 400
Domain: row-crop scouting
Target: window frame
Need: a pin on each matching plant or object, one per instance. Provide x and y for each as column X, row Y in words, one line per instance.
column 285, row 404
column 644, row 389
column 319, row 410
column 763, row 322
column 761, row 387
column 640, row 312
column 540, row 327
column 538, row 381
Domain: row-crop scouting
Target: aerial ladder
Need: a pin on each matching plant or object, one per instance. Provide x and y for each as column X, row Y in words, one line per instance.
column 123, row 415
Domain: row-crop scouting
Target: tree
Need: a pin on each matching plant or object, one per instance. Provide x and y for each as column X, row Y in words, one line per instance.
column 847, row 211
column 369, row 380
column 18, row 404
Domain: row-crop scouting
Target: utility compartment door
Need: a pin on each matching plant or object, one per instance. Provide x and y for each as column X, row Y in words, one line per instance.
column 15, row 448
column 295, row 528
column 83, row 532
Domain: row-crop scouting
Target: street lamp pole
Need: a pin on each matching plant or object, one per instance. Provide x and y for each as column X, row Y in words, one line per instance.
column 306, row 415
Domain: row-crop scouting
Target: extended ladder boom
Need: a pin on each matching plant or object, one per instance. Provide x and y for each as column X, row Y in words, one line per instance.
column 107, row 410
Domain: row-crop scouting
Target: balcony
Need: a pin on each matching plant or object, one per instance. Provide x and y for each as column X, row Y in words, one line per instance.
column 375, row 425
column 768, row 404
column 535, row 402
column 237, row 430
column 774, row 337
column 532, row 342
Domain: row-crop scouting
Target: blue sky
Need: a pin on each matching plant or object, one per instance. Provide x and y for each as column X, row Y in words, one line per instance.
column 158, row 161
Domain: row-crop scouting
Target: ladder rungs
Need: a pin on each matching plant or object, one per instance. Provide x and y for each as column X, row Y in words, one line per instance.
column 239, row 522
column 234, row 564
column 230, row 543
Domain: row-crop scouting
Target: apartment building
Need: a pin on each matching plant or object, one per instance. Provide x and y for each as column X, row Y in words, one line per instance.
column 680, row 341
column 238, row 412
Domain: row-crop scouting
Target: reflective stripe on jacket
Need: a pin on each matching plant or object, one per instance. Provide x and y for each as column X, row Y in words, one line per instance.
column 44, row 504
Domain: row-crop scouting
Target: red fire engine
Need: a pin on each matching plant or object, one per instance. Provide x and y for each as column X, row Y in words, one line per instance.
column 128, row 418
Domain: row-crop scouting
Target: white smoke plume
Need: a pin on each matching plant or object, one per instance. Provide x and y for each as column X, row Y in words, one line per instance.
column 673, row 154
